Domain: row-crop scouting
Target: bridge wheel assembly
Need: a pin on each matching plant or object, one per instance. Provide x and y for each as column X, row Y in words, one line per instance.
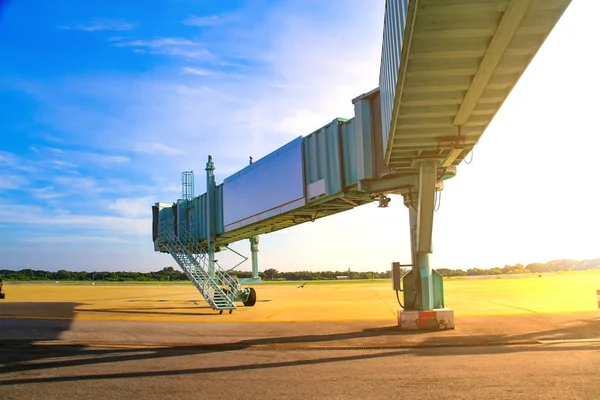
column 251, row 300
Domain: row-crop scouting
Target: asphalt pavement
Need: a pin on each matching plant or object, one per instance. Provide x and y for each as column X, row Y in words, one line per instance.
column 539, row 371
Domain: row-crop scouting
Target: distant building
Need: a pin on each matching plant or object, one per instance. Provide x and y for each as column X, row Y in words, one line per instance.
column 342, row 277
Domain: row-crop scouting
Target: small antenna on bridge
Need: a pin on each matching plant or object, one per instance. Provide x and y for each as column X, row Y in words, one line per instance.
column 187, row 185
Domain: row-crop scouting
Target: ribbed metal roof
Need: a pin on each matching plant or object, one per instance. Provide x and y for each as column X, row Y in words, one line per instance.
column 459, row 61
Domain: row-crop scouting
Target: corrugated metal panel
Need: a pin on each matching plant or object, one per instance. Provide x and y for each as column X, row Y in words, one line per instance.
column 348, row 140
column 197, row 214
column 183, row 214
column 166, row 215
column 368, row 141
column 393, row 35
column 378, row 142
column 363, row 140
column 322, row 158
column 219, row 224
column 199, row 217
column 192, row 214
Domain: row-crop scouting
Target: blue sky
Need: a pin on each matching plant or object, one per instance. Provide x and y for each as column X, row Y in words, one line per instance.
column 104, row 103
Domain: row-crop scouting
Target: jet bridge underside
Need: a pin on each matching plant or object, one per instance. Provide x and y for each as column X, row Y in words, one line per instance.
column 448, row 70
column 324, row 207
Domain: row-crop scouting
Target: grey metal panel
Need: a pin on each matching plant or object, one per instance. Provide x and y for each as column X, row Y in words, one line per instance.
column 154, row 223
column 368, row 140
column 393, row 35
column 218, row 202
column 183, row 215
column 364, row 138
column 378, row 142
column 198, row 213
column 322, row 157
column 273, row 212
column 268, row 184
column 165, row 214
column 349, row 152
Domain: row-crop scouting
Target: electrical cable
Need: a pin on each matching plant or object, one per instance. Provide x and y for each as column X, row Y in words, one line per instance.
column 438, row 199
column 470, row 161
column 398, row 297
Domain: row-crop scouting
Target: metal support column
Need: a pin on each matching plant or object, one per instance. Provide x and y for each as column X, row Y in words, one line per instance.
column 423, row 287
column 254, row 250
column 426, row 206
column 210, row 196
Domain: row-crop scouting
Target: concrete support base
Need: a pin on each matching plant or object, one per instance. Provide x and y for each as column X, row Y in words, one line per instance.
column 437, row 319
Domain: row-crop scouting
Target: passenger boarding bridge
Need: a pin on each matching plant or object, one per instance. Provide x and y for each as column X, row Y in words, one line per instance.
column 447, row 66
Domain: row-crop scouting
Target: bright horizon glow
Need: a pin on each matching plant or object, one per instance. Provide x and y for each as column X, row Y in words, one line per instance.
column 102, row 108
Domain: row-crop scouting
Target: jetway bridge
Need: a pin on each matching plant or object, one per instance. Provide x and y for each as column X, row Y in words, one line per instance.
column 447, row 66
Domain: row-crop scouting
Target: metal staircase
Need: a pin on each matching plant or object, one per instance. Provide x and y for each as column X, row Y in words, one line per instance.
column 218, row 288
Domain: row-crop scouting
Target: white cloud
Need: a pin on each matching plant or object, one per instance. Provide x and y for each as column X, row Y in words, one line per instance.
column 80, row 184
column 169, row 46
column 50, row 138
column 159, row 43
column 101, row 25
column 7, row 159
column 11, row 182
column 14, row 163
column 93, row 224
column 74, row 239
column 157, row 148
column 104, row 159
column 266, row 93
column 197, row 71
column 209, row 20
column 60, row 164
column 46, row 193
column 133, row 207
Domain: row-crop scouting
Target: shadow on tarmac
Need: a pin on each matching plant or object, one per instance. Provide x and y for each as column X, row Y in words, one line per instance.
column 17, row 331
column 24, row 358
column 35, row 321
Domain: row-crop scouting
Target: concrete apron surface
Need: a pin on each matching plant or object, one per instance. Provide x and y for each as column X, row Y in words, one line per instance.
column 469, row 331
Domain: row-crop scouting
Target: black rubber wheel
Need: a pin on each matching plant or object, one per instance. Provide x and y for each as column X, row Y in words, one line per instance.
column 251, row 298
column 2, row 295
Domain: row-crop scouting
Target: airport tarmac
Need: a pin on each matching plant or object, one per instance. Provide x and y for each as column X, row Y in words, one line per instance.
column 315, row 302
column 327, row 341
column 331, row 314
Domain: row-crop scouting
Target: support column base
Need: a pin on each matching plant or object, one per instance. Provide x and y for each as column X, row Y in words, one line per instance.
column 437, row 319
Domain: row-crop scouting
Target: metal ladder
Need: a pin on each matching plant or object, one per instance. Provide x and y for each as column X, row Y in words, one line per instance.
column 218, row 290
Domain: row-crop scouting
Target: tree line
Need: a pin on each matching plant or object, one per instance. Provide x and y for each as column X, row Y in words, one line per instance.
column 271, row 274
column 533, row 268
column 172, row 274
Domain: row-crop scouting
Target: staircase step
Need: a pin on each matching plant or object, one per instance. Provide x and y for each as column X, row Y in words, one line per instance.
column 192, row 259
